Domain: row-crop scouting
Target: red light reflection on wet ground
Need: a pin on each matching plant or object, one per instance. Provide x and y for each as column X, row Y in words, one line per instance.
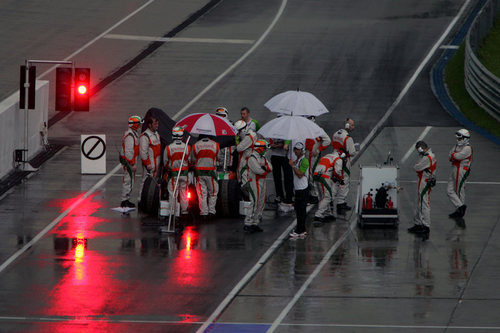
column 187, row 264
column 79, row 221
column 87, row 284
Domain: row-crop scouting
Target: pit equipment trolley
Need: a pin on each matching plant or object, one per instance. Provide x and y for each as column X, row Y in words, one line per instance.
column 378, row 196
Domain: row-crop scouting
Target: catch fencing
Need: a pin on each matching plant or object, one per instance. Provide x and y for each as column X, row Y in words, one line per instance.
column 482, row 85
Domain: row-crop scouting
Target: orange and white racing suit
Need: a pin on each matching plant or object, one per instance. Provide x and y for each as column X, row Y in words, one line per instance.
column 425, row 168
column 258, row 168
column 343, row 143
column 460, row 158
column 245, row 149
column 204, row 155
column 328, row 174
column 314, row 147
column 150, row 153
column 128, row 157
column 172, row 159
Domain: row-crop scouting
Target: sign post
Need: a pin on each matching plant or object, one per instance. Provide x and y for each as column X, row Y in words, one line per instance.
column 93, row 154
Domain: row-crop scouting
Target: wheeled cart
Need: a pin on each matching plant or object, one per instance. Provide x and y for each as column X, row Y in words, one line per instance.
column 378, row 196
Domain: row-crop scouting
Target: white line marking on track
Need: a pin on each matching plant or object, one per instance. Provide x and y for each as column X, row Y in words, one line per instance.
column 414, row 76
column 446, row 182
column 232, row 294
column 239, row 61
column 182, row 322
column 398, row 326
column 98, row 37
column 412, row 147
column 179, row 39
column 57, row 220
column 313, row 275
column 452, row 47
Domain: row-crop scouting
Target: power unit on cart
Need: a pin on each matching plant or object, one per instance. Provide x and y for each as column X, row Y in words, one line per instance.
column 378, row 196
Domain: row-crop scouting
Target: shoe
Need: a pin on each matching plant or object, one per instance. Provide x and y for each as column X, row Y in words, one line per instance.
column 455, row 214
column 313, row 200
column 424, row 230
column 295, row 235
column 247, row 228
column 462, row 210
column 211, row 216
column 127, row 204
column 415, row 229
column 319, row 219
column 329, row 218
column 343, row 206
column 277, row 200
column 204, row 218
column 256, row 228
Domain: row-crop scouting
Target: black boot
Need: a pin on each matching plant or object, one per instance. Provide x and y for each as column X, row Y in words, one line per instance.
column 415, row 229
column 462, row 210
column 127, row 204
column 343, row 206
column 455, row 214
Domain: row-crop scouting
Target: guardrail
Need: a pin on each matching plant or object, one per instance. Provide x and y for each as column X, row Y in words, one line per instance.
column 481, row 84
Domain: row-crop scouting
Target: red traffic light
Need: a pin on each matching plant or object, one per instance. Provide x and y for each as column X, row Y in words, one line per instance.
column 82, row 84
column 82, row 89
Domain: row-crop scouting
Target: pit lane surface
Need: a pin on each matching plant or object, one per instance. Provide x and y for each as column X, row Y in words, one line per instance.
column 356, row 58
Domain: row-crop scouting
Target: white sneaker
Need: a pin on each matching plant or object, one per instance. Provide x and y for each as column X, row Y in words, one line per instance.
column 295, row 235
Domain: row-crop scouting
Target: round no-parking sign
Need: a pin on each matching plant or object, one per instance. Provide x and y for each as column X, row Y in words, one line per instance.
column 93, row 154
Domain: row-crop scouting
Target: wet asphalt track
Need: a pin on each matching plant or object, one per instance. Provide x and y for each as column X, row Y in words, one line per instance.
column 99, row 271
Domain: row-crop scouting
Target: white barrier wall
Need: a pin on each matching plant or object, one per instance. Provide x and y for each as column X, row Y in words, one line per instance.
column 12, row 126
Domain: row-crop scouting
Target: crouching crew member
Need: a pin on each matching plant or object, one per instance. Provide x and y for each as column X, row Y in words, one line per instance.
column 204, row 155
column 172, row 159
column 128, row 157
column 460, row 157
column 425, row 169
column 314, row 147
column 330, row 176
column 258, row 168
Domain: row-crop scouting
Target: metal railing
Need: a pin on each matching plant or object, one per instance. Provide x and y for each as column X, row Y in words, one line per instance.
column 481, row 84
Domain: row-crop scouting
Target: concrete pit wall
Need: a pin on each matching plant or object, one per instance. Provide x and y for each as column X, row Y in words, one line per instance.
column 12, row 122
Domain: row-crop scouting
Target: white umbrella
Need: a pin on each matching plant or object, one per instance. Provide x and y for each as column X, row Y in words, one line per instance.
column 291, row 128
column 296, row 103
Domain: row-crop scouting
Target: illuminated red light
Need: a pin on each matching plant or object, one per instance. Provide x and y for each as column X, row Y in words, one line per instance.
column 188, row 195
column 82, row 90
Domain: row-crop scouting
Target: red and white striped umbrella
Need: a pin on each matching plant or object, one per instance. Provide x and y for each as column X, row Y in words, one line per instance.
column 206, row 123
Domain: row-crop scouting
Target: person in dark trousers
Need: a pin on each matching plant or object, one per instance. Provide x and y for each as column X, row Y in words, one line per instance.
column 281, row 170
column 300, row 167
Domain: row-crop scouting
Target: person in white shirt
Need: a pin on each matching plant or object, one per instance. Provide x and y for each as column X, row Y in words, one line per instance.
column 300, row 167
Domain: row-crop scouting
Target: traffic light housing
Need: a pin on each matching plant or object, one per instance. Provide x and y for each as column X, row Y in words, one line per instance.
column 64, row 80
column 82, row 89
